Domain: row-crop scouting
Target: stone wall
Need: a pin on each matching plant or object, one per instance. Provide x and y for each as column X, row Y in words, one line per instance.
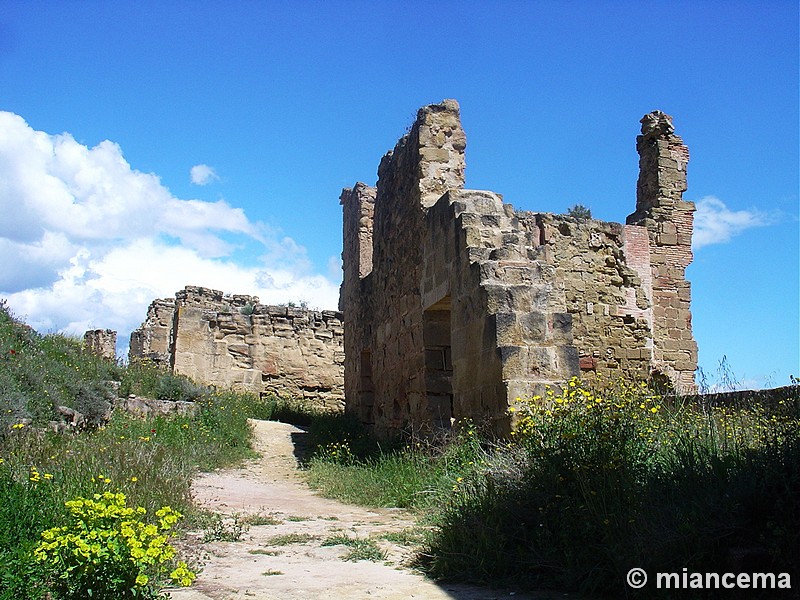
column 455, row 304
column 153, row 339
column 102, row 342
column 235, row 341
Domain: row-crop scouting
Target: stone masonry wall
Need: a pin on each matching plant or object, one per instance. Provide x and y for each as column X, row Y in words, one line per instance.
column 604, row 295
column 462, row 304
column 358, row 205
column 153, row 340
column 235, row 341
column 386, row 355
column 102, row 342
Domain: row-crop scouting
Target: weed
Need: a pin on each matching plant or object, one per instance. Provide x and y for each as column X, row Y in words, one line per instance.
column 264, row 552
column 290, row 538
column 270, row 572
column 221, row 529
column 360, row 548
column 259, row 519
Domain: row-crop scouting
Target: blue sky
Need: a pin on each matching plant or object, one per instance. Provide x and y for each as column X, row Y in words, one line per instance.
column 145, row 146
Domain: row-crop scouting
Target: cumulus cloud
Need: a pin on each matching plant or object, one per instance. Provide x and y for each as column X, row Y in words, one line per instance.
column 203, row 175
column 88, row 241
column 715, row 223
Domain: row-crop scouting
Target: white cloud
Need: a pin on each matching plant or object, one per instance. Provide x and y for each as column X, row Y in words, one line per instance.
column 203, row 175
column 715, row 223
column 88, row 242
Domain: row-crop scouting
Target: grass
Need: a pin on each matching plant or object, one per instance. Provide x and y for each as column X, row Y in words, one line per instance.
column 412, row 536
column 151, row 461
column 359, row 548
column 590, row 485
column 411, row 476
column 290, row 538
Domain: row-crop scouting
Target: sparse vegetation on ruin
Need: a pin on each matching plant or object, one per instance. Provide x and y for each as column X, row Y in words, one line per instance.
column 579, row 212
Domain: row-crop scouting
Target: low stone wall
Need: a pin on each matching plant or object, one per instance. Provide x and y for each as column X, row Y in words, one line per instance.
column 770, row 398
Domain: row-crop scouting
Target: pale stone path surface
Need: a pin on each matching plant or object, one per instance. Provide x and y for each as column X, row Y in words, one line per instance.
column 259, row 568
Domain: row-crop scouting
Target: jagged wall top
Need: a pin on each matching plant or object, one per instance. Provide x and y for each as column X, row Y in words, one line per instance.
column 434, row 147
column 657, row 123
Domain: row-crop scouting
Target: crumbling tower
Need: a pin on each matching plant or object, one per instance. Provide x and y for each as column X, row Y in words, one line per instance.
column 668, row 218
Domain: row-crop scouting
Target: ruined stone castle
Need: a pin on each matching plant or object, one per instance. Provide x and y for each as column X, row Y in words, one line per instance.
column 233, row 341
column 455, row 304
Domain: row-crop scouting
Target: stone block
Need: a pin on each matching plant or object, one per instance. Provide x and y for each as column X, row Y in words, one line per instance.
column 561, row 328
column 434, row 359
column 509, row 333
column 533, row 326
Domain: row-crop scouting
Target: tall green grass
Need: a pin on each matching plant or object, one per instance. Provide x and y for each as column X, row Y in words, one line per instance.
column 348, row 464
column 151, row 461
column 592, row 484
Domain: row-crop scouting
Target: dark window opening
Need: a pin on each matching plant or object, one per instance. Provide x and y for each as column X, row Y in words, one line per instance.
column 438, row 363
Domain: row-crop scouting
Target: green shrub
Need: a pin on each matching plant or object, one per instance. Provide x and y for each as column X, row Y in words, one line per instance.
column 178, row 388
column 597, row 483
column 93, row 399
column 579, row 212
column 108, row 551
column 141, row 377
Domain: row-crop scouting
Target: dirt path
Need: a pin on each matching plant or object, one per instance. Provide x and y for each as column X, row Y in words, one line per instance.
column 263, row 566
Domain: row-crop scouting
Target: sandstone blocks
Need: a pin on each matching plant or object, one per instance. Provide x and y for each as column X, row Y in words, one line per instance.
column 235, row 341
column 455, row 304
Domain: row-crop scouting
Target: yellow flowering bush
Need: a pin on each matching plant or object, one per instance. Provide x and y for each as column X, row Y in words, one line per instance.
column 625, row 402
column 336, row 452
column 595, row 480
column 109, row 551
column 619, row 426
